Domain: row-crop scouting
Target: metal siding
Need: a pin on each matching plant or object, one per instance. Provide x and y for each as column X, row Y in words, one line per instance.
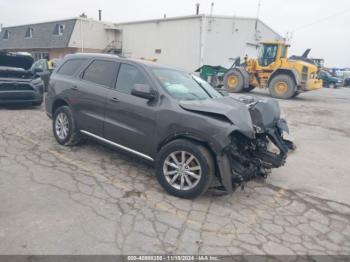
column 95, row 36
column 229, row 37
column 179, row 41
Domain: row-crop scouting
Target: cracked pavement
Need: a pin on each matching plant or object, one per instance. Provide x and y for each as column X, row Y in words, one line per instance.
column 91, row 199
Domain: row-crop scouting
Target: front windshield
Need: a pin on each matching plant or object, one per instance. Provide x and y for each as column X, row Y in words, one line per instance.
column 267, row 54
column 184, row 86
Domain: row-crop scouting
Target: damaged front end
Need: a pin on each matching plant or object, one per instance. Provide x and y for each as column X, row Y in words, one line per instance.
column 251, row 157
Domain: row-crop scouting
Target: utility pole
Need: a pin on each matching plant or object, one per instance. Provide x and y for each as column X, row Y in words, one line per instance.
column 257, row 15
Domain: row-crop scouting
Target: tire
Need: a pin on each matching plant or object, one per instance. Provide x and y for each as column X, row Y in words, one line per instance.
column 202, row 164
column 72, row 135
column 233, row 81
column 248, row 89
column 282, row 86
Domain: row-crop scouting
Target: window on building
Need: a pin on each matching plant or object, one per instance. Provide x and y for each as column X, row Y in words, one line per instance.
column 6, row 34
column 70, row 67
column 128, row 76
column 29, row 32
column 40, row 55
column 158, row 51
column 58, row 30
column 100, row 72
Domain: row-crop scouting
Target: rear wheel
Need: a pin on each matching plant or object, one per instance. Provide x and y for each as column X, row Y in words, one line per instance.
column 233, row 81
column 184, row 168
column 64, row 127
column 282, row 86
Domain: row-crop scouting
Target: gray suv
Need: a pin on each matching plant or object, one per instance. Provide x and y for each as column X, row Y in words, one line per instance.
column 190, row 131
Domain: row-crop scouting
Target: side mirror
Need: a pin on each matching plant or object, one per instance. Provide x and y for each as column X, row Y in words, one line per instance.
column 143, row 91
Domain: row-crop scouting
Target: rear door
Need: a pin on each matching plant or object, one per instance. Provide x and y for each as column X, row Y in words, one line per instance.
column 91, row 94
column 130, row 121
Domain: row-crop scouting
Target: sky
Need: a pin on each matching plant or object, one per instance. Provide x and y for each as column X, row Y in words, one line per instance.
column 322, row 25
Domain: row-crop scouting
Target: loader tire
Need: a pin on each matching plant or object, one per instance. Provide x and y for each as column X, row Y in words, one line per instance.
column 233, row 81
column 282, row 86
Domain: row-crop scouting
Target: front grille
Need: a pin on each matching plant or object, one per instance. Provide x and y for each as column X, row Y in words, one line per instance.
column 15, row 87
column 304, row 73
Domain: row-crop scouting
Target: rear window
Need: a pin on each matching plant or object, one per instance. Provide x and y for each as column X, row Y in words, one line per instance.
column 70, row 67
column 101, row 72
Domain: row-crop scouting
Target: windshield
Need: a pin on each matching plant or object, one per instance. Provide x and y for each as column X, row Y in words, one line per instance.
column 184, row 86
column 267, row 54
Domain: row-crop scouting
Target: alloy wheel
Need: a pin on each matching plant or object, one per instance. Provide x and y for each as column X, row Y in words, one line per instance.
column 182, row 170
column 62, row 126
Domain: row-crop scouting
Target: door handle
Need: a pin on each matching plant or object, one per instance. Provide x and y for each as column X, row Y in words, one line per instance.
column 74, row 88
column 114, row 99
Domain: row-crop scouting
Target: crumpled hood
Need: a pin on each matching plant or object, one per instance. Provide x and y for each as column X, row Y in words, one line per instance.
column 17, row 60
column 234, row 110
column 242, row 111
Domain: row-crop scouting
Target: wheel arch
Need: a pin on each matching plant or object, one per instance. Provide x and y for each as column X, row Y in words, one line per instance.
column 190, row 137
column 286, row 71
column 58, row 103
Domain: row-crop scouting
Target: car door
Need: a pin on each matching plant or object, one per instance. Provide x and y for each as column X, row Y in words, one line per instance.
column 91, row 94
column 130, row 121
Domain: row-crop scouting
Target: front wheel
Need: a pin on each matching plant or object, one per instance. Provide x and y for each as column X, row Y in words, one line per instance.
column 233, row 81
column 64, row 127
column 282, row 86
column 184, row 168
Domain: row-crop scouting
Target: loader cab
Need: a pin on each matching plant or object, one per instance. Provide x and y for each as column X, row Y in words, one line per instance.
column 270, row 52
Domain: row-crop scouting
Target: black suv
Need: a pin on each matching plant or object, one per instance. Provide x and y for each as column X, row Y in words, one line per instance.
column 18, row 83
column 192, row 132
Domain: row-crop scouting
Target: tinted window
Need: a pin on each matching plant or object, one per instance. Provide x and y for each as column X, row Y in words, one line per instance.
column 100, row 72
column 129, row 76
column 70, row 67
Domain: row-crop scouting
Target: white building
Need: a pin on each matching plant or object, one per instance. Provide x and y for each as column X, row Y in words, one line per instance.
column 185, row 42
column 191, row 41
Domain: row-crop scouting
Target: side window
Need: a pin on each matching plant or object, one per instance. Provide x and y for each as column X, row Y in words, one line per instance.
column 70, row 67
column 100, row 72
column 128, row 76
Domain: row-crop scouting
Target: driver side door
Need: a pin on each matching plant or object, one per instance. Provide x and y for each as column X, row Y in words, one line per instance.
column 130, row 121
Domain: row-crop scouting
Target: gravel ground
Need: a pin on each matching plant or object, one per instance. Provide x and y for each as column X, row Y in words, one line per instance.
column 93, row 200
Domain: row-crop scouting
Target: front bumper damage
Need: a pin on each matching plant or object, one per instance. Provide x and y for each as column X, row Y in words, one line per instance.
column 246, row 158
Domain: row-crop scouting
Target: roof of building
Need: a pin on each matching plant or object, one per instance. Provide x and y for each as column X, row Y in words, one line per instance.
column 42, row 35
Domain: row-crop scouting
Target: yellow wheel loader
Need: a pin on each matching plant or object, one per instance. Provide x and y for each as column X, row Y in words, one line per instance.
column 285, row 78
